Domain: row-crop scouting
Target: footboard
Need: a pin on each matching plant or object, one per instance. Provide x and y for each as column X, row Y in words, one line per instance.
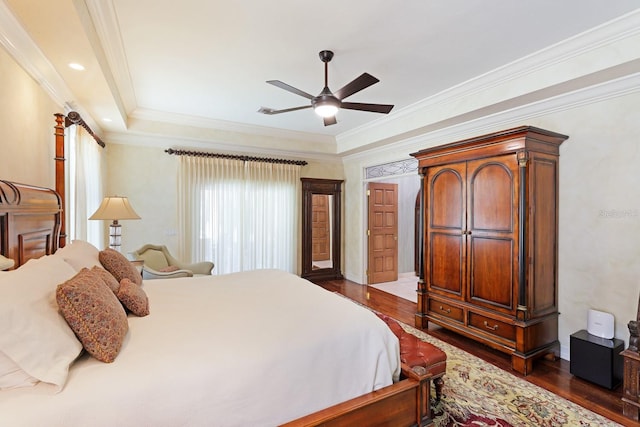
column 405, row 403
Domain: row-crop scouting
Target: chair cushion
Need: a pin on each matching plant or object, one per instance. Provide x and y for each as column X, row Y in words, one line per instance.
column 154, row 259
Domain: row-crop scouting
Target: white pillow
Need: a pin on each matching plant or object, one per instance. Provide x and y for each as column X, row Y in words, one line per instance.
column 11, row 376
column 80, row 254
column 33, row 334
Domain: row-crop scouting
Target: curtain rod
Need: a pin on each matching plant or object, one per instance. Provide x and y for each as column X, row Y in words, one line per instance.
column 73, row 118
column 234, row 157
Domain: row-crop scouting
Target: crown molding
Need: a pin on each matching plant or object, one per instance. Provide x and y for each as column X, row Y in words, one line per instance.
column 102, row 23
column 164, row 142
column 512, row 117
column 29, row 56
column 610, row 35
column 240, row 128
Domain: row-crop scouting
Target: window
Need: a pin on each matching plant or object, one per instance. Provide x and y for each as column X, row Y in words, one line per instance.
column 242, row 215
column 85, row 184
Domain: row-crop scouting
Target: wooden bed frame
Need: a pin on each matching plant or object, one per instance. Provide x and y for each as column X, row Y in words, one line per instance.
column 31, row 219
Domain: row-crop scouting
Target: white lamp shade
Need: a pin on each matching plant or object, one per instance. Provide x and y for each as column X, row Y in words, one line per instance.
column 116, row 208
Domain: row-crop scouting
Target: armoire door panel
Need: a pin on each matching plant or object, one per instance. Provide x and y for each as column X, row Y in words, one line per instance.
column 446, row 268
column 492, row 273
column 492, row 194
column 447, row 196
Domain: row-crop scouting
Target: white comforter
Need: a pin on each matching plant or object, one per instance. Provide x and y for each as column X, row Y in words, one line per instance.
column 248, row 349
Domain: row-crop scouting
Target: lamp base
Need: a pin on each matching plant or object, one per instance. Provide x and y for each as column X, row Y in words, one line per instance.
column 115, row 235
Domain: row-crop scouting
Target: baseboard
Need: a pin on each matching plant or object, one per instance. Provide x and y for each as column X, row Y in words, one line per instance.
column 564, row 352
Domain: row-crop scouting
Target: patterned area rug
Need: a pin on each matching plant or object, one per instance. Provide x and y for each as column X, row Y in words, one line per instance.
column 477, row 394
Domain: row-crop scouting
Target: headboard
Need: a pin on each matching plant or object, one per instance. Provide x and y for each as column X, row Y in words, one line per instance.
column 29, row 221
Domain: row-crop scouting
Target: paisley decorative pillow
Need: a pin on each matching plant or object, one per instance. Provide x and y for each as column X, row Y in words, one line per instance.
column 94, row 314
column 133, row 298
column 107, row 277
column 116, row 263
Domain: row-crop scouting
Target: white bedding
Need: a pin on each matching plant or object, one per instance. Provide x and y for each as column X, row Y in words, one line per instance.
column 248, row 349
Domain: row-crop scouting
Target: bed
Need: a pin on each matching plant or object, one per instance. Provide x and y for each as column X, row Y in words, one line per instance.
column 258, row 348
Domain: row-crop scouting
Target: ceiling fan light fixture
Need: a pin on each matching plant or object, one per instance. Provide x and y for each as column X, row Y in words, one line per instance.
column 325, row 104
column 326, row 109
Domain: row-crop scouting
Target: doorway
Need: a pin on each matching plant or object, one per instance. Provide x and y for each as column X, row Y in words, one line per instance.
column 382, row 202
column 408, row 187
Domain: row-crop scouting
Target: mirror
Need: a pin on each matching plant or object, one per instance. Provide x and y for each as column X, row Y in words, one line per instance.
column 321, row 238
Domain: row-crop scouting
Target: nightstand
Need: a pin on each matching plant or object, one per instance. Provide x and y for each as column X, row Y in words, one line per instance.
column 596, row 359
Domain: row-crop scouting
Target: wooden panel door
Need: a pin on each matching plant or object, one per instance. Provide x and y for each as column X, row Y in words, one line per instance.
column 320, row 236
column 445, row 229
column 492, row 232
column 383, row 233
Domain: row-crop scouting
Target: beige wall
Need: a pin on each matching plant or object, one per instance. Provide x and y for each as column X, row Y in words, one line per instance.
column 147, row 176
column 599, row 254
column 27, row 146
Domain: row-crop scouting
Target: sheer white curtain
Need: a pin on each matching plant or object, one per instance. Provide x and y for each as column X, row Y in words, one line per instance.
column 85, row 184
column 242, row 215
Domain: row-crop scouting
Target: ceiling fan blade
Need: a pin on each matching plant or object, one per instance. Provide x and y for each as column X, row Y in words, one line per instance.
column 289, row 88
column 271, row 111
column 356, row 85
column 374, row 108
column 328, row 121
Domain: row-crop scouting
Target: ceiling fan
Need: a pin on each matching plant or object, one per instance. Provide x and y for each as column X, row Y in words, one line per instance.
column 327, row 104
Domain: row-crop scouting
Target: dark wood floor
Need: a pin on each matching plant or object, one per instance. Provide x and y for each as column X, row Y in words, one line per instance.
column 551, row 375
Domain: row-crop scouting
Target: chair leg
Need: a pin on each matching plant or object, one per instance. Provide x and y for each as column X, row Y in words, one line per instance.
column 439, row 383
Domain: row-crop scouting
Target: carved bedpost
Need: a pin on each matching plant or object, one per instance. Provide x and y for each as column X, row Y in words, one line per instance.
column 633, row 335
column 60, row 178
column 634, row 331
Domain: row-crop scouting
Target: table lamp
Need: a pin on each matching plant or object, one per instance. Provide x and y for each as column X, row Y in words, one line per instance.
column 115, row 208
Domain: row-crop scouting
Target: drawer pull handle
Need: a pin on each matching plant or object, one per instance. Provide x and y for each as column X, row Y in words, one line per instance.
column 493, row 328
column 448, row 310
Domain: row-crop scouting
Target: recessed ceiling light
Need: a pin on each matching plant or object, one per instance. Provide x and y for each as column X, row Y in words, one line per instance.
column 106, row 119
column 75, row 66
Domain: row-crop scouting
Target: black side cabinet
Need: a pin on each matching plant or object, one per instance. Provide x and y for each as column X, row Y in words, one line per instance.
column 597, row 359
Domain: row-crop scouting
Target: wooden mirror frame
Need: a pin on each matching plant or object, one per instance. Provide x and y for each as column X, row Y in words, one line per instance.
column 332, row 187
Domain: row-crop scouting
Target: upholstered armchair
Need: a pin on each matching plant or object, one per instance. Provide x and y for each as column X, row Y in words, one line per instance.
column 160, row 264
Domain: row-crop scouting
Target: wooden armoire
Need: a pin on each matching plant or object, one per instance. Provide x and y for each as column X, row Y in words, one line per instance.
column 489, row 224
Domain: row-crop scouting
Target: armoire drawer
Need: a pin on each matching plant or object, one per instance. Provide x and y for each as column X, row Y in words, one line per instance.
column 492, row 326
column 446, row 310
